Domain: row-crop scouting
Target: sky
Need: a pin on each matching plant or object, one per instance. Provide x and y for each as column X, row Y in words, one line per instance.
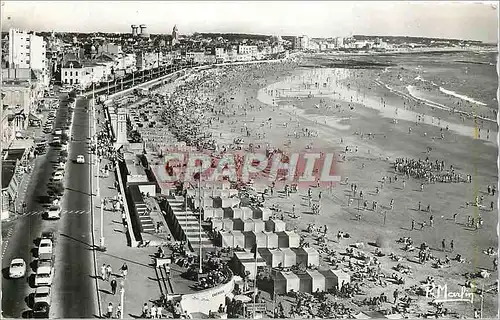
column 446, row 19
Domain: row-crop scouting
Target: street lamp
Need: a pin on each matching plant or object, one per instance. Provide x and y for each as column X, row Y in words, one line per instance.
column 200, row 271
column 102, row 226
column 122, row 300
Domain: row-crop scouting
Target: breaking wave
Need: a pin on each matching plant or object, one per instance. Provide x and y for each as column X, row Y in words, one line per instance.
column 461, row 96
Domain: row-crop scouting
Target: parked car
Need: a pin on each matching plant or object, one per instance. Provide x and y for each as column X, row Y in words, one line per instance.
column 44, row 275
column 80, row 159
column 58, row 176
column 41, row 310
column 17, row 268
column 48, row 235
column 45, row 246
column 42, row 294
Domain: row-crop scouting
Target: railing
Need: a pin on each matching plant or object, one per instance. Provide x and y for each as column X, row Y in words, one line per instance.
column 133, row 240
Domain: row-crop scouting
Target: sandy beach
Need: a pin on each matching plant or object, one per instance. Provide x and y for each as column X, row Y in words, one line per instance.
column 271, row 105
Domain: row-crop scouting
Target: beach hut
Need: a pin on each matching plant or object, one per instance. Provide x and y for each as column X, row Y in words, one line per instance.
column 273, row 257
column 262, row 213
column 249, row 239
column 248, row 225
column 288, row 239
column 247, row 212
column 238, row 224
column 259, row 225
column 228, row 213
column 237, row 213
column 279, row 282
column 330, row 278
column 217, row 224
column 245, row 261
column 239, row 239
column 219, row 202
column 228, row 224
column 227, row 239
column 317, row 280
column 275, row 225
column 292, row 281
column 305, row 284
column 208, row 213
column 341, row 277
column 289, row 257
column 307, row 256
column 271, row 240
column 218, row 213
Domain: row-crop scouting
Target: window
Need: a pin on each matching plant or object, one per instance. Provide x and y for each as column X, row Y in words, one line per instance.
column 71, row 73
column 27, row 47
column 76, row 73
column 27, row 54
column 27, row 61
column 66, row 73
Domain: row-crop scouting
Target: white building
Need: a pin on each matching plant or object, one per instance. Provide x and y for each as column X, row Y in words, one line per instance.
column 247, row 50
column 301, row 43
column 73, row 73
column 148, row 60
column 110, row 48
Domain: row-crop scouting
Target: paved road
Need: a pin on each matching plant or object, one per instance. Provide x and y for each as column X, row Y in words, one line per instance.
column 74, row 289
column 26, row 230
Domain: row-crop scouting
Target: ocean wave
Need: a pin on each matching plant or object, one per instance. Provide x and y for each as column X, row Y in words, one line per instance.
column 461, row 96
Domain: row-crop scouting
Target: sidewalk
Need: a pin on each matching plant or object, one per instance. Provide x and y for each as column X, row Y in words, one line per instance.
column 141, row 285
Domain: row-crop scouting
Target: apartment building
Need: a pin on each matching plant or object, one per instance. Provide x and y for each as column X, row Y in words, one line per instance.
column 247, row 50
column 27, row 50
column 110, row 48
column 148, row 60
column 73, row 73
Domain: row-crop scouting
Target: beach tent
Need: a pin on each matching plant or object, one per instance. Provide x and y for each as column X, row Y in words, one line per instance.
column 273, row 257
column 305, row 282
column 330, row 278
column 307, row 256
column 211, row 212
column 292, row 281
column 275, row 225
column 217, row 224
column 239, row 239
column 271, row 240
column 238, row 224
column 317, row 280
column 227, row 239
column 247, row 212
column 249, row 239
column 289, row 257
column 262, row 213
column 248, row 225
column 227, row 213
column 341, row 277
column 228, row 224
column 288, row 239
column 245, row 261
column 253, row 237
column 219, row 202
column 259, row 225
column 237, row 213
column 279, row 282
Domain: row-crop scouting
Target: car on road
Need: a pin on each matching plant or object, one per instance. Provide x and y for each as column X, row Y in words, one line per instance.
column 80, row 159
column 45, row 246
column 44, row 274
column 58, row 176
column 42, row 294
column 54, row 212
column 17, row 268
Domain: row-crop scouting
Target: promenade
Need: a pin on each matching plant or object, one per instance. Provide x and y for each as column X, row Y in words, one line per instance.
column 140, row 284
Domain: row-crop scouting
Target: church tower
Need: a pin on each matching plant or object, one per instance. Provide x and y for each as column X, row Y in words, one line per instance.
column 175, row 36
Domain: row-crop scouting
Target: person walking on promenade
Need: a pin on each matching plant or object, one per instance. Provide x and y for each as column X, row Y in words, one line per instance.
column 113, row 284
column 103, row 271
column 159, row 311
column 419, row 206
column 144, row 310
column 395, row 295
column 124, row 270
column 452, row 245
column 431, row 221
column 412, row 224
column 153, row 312
column 109, row 313
column 118, row 311
column 443, row 245
column 109, row 271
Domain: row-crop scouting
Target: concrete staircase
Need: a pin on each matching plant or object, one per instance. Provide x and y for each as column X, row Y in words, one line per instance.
column 189, row 222
column 145, row 220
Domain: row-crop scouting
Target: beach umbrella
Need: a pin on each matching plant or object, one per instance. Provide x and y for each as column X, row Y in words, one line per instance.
column 242, row 298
